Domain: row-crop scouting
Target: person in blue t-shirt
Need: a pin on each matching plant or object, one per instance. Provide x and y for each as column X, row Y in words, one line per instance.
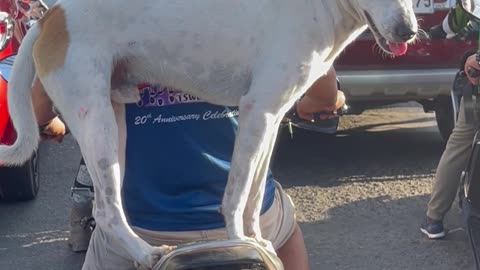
column 177, row 152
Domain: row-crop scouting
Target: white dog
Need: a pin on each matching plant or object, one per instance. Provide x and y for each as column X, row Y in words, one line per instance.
column 258, row 54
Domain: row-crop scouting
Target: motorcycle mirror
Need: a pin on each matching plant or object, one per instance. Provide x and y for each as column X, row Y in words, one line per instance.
column 220, row 255
column 472, row 7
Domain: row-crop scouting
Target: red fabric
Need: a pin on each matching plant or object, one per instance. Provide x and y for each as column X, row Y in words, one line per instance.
column 4, row 118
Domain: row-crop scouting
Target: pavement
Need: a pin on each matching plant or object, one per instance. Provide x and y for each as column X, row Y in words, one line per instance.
column 360, row 198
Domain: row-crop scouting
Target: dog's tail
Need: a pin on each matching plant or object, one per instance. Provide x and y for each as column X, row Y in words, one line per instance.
column 20, row 104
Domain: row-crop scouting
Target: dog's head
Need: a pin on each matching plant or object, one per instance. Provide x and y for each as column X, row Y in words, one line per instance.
column 392, row 22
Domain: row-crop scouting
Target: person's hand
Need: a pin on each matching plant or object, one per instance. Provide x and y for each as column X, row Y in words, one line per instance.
column 472, row 65
column 54, row 130
column 310, row 104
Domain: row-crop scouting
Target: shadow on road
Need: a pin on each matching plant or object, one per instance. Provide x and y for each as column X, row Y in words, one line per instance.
column 312, row 158
column 396, row 125
column 381, row 233
column 33, row 235
column 361, row 195
column 360, row 199
column 43, row 250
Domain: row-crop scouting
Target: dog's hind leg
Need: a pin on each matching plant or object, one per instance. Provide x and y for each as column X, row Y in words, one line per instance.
column 84, row 102
column 99, row 144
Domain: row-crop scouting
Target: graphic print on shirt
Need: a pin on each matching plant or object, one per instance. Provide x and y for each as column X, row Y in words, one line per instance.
column 158, row 96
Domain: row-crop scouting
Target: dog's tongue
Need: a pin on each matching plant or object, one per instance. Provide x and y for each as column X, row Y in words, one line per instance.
column 398, row 48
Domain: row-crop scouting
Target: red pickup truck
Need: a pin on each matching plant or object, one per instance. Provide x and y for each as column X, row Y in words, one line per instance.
column 425, row 75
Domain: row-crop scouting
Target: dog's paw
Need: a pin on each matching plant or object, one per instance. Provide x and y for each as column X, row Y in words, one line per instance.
column 266, row 245
column 262, row 242
column 155, row 255
column 252, row 237
column 159, row 252
column 140, row 267
column 245, row 238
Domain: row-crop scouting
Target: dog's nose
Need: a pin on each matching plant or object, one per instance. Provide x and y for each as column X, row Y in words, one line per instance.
column 405, row 33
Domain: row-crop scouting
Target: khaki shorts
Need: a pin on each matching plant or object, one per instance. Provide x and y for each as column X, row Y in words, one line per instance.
column 278, row 224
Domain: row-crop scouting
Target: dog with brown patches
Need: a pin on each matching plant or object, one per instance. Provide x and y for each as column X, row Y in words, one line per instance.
column 259, row 55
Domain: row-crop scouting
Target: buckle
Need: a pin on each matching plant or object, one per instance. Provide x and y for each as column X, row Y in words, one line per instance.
column 88, row 222
column 82, row 191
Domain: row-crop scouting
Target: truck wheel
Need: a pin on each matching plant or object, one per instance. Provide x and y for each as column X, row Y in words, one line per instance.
column 445, row 116
column 20, row 183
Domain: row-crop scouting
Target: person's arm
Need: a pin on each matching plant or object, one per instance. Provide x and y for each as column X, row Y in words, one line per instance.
column 455, row 21
column 42, row 105
column 472, row 63
column 51, row 127
column 322, row 96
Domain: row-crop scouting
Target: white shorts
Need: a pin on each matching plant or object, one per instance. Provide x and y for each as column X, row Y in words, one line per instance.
column 277, row 224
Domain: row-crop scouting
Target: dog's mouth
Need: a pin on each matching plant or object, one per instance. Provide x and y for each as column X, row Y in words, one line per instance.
column 390, row 47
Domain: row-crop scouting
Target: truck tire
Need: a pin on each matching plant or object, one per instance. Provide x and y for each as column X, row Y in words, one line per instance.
column 445, row 116
column 20, row 183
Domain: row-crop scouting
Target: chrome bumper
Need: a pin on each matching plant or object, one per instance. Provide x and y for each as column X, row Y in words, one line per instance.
column 378, row 85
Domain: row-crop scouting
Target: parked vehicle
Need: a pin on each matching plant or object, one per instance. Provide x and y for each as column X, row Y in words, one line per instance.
column 425, row 74
column 22, row 182
column 469, row 195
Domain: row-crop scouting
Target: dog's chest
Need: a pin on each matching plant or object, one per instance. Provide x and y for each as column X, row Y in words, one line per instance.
column 216, row 76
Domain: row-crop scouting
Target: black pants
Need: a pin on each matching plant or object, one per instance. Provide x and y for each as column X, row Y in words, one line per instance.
column 471, row 216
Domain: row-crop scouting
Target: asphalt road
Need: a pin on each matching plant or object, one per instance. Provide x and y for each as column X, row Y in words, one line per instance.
column 360, row 199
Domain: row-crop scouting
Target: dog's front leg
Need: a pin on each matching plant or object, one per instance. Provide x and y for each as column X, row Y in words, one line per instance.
column 259, row 113
column 254, row 205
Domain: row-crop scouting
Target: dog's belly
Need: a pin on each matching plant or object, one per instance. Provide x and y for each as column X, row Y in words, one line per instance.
column 209, row 48
column 218, row 83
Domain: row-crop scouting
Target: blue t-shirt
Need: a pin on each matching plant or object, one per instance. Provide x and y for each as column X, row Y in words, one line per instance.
column 178, row 153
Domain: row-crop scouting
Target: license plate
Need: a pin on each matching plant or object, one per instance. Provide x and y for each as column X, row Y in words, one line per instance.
column 423, row 6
